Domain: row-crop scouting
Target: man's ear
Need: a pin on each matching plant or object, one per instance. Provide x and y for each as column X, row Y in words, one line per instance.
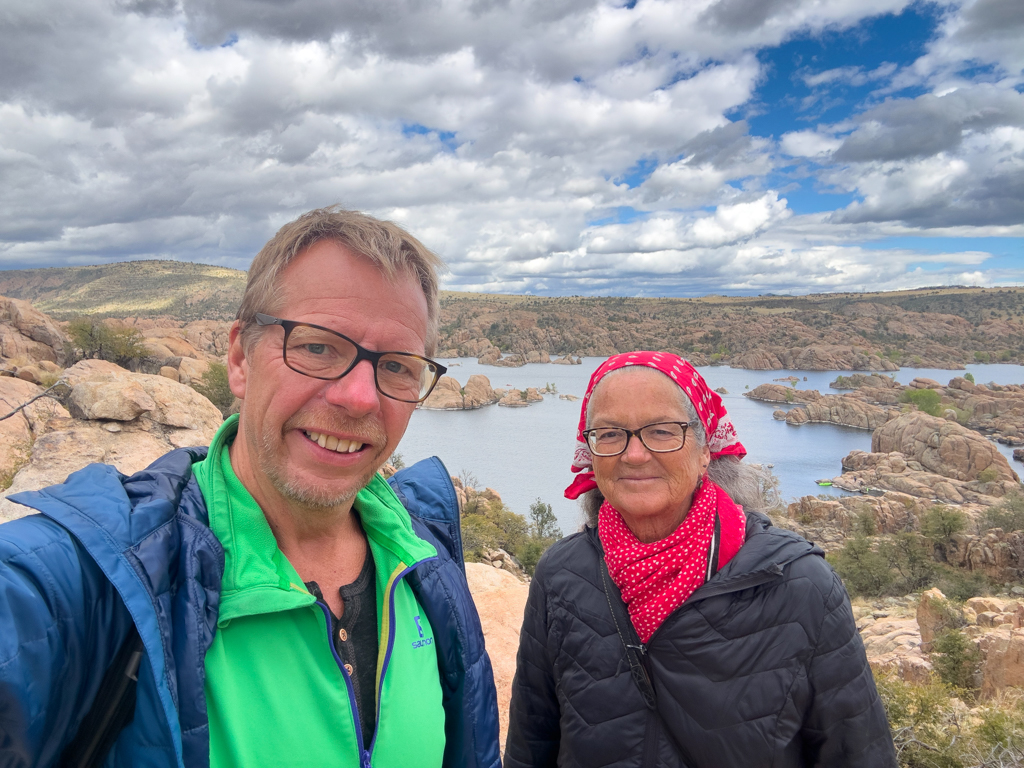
column 238, row 366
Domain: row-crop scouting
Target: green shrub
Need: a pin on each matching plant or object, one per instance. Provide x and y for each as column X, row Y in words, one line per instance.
column 920, row 717
column 988, row 474
column 1008, row 514
column 941, row 524
column 93, row 339
column 892, row 565
column 969, row 376
column 1001, row 731
column 956, row 660
column 930, row 730
column 960, row 585
column 909, row 558
column 214, row 387
column 543, row 532
column 864, row 523
column 864, row 571
column 926, row 400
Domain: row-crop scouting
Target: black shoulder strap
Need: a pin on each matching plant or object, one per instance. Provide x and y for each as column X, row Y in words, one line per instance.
column 636, row 650
column 714, row 549
column 112, row 709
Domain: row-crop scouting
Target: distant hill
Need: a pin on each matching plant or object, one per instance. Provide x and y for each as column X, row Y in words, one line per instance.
column 927, row 328
column 943, row 327
column 177, row 289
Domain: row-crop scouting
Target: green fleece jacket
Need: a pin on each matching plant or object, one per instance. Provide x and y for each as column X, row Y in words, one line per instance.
column 276, row 691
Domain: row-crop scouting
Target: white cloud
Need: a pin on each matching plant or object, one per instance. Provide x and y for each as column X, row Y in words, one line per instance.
column 566, row 146
column 809, row 144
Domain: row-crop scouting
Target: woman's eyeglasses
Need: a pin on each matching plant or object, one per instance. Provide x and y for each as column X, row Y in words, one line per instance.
column 660, row 437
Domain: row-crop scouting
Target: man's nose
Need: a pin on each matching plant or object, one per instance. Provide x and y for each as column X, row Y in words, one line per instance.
column 356, row 391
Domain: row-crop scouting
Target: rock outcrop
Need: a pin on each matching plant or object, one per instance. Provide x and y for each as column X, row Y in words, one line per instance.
column 829, row 522
column 115, row 417
column 841, row 410
column 942, row 447
column 777, row 393
column 27, row 335
column 863, row 471
column 449, row 395
column 501, row 601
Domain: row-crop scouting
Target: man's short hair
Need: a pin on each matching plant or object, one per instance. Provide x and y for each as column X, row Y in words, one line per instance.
column 384, row 243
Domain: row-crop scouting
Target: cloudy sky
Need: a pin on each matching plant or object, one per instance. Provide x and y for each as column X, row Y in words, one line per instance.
column 648, row 147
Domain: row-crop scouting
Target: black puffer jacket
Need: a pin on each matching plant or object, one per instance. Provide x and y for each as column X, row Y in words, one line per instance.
column 761, row 667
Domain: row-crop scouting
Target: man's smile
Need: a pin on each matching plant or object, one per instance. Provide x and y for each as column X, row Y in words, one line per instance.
column 332, row 443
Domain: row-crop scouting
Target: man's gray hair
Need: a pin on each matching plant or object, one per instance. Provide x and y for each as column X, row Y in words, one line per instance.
column 752, row 486
column 387, row 245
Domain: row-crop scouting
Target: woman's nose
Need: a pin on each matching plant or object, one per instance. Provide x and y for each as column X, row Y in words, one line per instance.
column 636, row 452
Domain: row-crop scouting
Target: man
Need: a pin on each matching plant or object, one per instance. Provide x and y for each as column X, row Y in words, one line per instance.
column 272, row 597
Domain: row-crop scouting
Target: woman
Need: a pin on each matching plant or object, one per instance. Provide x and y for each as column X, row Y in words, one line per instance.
column 680, row 628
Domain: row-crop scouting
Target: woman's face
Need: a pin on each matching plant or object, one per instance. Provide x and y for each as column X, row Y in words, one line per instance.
column 652, row 491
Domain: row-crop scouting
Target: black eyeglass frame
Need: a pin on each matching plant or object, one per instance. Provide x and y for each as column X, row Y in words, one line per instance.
column 361, row 354
column 631, row 433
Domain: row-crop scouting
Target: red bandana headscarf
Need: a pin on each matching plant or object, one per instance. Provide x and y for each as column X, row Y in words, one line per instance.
column 656, row 578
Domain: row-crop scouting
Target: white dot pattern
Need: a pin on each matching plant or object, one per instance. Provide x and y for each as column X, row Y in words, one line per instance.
column 657, row 577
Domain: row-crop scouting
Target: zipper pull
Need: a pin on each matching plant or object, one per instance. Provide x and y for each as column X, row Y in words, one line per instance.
column 365, row 762
column 642, row 648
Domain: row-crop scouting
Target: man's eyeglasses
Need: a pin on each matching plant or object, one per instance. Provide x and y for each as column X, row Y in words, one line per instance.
column 661, row 437
column 321, row 353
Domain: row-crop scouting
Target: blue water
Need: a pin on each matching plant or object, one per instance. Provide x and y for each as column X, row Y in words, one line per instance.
column 524, row 453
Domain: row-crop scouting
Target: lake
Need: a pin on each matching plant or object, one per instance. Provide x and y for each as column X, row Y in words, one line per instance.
column 524, row 453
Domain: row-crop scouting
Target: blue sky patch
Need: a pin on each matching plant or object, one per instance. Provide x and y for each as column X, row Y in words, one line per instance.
column 813, row 79
column 447, row 138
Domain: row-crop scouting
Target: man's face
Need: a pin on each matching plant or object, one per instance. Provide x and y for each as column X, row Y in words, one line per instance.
column 286, row 416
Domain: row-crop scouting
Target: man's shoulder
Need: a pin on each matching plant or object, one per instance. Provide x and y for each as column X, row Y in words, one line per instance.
column 100, row 498
column 426, row 490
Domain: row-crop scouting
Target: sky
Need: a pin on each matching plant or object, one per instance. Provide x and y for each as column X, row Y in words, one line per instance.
column 549, row 147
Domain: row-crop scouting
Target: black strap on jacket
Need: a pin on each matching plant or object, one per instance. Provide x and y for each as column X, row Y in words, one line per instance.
column 112, row 709
column 636, row 651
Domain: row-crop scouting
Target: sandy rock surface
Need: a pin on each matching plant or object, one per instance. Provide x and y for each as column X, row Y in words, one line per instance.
column 26, row 334
column 841, row 410
column 500, row 600
column 115, row 417
column 942, row 447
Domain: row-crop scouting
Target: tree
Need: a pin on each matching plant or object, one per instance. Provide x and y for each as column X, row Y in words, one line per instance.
column 95, row 339
column 214, row 387
column 543, row 524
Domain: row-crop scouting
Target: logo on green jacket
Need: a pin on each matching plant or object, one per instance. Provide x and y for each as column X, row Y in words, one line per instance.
column 423, row 641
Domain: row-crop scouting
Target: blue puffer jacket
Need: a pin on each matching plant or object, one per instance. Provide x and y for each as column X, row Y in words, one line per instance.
column 109, row 550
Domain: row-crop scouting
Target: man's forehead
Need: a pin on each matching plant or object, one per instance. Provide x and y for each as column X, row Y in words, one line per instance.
column 329, row 268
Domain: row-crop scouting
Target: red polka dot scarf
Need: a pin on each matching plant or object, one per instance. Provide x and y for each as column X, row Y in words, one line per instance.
column 658, row 577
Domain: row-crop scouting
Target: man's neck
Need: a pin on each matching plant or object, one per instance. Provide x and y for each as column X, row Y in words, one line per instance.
column 324, row 544
column 332, row 554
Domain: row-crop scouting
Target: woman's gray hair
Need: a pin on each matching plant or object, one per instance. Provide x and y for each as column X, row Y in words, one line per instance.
column 752, row 486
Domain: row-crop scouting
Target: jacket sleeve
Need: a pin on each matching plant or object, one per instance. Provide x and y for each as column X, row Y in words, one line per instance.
column 533, row 724
column 52, row 597
column 846, row 724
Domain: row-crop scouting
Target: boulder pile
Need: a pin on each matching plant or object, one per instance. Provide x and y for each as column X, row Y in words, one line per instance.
column 106, row 414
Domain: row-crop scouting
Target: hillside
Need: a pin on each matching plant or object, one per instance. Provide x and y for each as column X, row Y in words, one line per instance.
column 931, row 327
column 939, row 327
column 182, row 290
